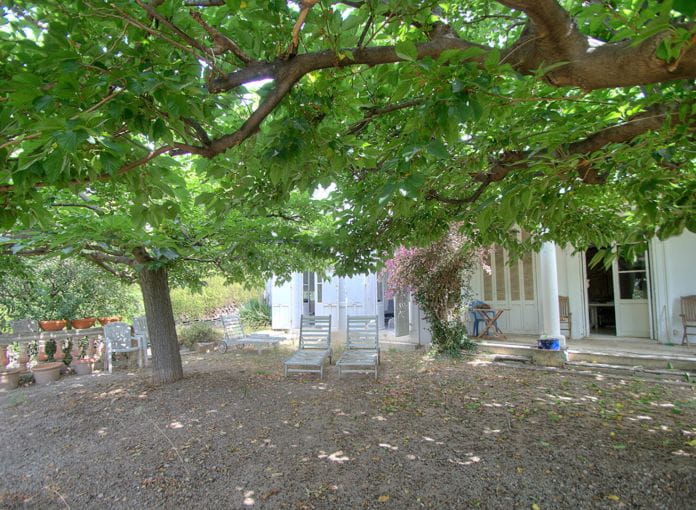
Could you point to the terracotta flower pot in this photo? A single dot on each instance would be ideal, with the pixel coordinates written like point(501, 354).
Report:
point(9, 378)
point(83, 323)
point(83, 366)
point(45, 373)
point(52, 325)
point(105, 320)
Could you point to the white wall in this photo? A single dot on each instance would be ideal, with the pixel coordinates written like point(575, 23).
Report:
point(674, 276)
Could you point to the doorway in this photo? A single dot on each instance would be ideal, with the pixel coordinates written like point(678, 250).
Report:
point(618, 297)
point(600, 296)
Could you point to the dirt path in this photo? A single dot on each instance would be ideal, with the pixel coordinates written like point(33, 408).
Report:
point(429, 434)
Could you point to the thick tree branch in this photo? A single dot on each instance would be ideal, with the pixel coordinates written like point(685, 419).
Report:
point(552, 39)
point(308, 62)
point(650, 120)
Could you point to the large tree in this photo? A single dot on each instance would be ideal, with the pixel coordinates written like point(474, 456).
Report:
point(573, 120)
point(198, 235)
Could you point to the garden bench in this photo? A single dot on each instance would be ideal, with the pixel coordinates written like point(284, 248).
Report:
point(315, 346)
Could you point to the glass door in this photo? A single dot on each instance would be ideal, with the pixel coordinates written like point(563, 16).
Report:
point(632, 299)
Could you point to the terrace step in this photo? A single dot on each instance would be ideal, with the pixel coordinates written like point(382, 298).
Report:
point(398, 346)
point(630, 360)
point(679, 375)
point(646, 361)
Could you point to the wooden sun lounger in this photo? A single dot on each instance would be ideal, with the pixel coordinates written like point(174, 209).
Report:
point(362, 346)
point(235, 335)
point(315, 346)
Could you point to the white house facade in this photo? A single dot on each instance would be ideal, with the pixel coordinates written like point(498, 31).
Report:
point(636, 300)
point(629, 300)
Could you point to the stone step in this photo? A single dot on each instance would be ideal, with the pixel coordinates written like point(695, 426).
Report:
point(678, 375)
point(398, 346)
point(652, 361)
point(625, 359)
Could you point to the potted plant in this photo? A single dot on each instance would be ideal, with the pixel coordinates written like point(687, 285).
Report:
point(58, 306)
point(9, 378)
point(45, 373)
point(83, 366)
point(108, 318)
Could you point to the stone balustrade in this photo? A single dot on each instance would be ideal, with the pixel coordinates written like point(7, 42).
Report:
point(61, 338)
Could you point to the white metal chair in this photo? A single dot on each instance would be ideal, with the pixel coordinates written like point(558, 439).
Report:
point(140, 331)
point(362, 346)
point(235, 335)
point(315, 346)
point(119, 338)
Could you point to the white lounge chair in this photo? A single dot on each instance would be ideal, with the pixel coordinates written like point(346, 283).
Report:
point(118, 338)
point(315, 346)
point(362, 346)
point(235, 335)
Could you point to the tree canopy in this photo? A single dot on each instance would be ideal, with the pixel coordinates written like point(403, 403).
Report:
point(156, 134)
point(573, 120)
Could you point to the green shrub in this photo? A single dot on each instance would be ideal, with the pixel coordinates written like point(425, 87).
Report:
point(255, 314)
point(200, 332)
point(214, 297)
point(56, 288)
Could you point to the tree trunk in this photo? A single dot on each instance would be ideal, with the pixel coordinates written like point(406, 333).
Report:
point(166, 360)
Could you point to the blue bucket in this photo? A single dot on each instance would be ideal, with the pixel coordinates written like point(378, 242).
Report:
point(549, 344)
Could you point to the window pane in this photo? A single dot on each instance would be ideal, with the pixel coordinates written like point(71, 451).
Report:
point(515, 280)
point(499, 274)
point(633, 285)
point(528, 276)
point(487, 281)
point(626, 265)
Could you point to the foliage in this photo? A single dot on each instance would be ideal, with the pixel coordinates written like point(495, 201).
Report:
point(255, 314)
point(198, 332)
point(138, 134)
point(51, 288)
point(50, 349)
point(485, 131)
point(439, 277)
point(206, 301)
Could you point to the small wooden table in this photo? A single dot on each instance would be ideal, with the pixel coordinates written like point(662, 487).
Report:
point(490, 316)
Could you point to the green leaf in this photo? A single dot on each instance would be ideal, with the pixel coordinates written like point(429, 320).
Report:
point(67, 140)
point(687, 7)
point(437, 149)
point(406, 50)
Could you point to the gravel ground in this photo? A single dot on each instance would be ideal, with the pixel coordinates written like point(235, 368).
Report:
point(428, 434)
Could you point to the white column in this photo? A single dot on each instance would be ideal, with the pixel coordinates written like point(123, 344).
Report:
point(549, 293)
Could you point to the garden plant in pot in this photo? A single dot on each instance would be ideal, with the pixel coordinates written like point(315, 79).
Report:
point(59, 305)
point(45, 373)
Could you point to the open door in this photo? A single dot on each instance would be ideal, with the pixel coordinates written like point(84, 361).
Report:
point(618, 297)
point(632, 300)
